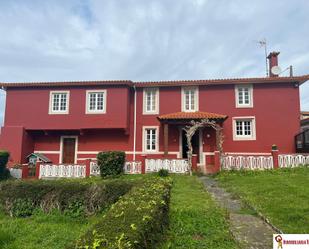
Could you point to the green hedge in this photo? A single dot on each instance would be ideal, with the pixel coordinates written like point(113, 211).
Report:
point(4, 157)
point(111, 163)
point(137, 220)
point(75, 198)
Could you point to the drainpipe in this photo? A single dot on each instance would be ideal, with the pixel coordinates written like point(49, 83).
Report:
point(134, 125)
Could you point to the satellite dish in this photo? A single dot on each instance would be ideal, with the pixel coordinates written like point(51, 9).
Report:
point(276, 70)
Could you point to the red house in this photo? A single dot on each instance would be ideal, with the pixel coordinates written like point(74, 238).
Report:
point(71, 121)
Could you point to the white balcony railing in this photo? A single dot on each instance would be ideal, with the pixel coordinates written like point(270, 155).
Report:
point(293, 160)
point(172, 165)
point(62, 171)
point(237, 162)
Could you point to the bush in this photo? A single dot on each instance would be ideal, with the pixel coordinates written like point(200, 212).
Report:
point(74, 198)
point(163, 172)
point(137, 220)
point(4, 172)
point(111, 163)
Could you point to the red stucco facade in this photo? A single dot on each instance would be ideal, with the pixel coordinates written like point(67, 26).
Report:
point(28, 126)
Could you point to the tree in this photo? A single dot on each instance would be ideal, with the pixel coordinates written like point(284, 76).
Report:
point(191, 129)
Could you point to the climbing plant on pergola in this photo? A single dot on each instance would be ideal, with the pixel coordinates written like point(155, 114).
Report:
point(191, 129)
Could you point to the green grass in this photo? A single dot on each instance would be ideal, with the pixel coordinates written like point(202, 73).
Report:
point(195, 220)
point(48, 231)
point(281, 195)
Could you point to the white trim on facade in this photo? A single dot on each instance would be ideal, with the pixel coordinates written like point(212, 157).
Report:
point(237, 104)
point(253, 128)
point(157, 101)
point(51, 101)
point(47, 151)
point(88, 111)
point(248, 153)
point(61, 147)
point(157, 139)
point(196, 98)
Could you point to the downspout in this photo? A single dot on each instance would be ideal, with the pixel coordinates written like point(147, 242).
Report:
point(134, 125)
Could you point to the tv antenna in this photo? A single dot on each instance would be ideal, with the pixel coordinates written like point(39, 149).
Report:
point(263, 43)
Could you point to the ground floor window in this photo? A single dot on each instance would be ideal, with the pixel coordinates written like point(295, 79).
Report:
point(244, 128)
point(150, 139)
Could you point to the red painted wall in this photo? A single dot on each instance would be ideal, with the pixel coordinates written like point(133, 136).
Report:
point(29, 108)
point(276, 109)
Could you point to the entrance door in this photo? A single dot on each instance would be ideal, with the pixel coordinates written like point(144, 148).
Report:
point(68, 150)
point(195, 144)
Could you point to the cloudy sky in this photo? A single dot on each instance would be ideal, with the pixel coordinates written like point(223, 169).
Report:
point(149, 40)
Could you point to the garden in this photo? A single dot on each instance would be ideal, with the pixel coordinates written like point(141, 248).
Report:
point(112, 211)
point(280, 196)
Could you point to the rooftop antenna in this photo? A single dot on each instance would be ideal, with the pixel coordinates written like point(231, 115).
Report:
point(263, 43)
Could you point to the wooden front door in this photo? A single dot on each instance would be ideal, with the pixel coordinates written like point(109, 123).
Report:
point(68, 150)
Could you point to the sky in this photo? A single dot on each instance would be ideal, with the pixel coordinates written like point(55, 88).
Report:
point(64, 40)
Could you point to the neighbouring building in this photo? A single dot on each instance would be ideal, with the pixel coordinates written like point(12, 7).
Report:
point(71, 121)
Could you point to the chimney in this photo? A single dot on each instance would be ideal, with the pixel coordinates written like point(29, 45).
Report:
point(273, 61)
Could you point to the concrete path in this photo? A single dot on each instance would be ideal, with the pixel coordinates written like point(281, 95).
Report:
point(249, 230)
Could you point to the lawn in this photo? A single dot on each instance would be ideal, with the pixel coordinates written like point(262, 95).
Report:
point(41, 231)
point(280, 195)
point(195, 220)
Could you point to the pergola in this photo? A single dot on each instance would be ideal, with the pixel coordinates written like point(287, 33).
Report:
point(185, 118)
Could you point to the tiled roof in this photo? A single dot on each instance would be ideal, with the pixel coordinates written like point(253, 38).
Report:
point(191, 115)
point(295, 79)
point(67, 83)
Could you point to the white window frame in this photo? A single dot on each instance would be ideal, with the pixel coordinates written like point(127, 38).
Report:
point(88, 111)
point(238, 105)
point(183, 98)
point(61, 148)
point(51, 101)
point(144, 139)
point(156, 111)
point(244, 137)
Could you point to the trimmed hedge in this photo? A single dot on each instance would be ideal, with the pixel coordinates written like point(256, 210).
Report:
point(75, 198)
point(137, 220)
point(4, 157)
point(111, 163)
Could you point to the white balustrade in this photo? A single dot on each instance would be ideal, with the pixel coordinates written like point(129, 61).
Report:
point(229, 162)
point(16, 173)
point(293, 160)
point(62, 171)
point(172, 165)
point(94, 168)
point(133, 167)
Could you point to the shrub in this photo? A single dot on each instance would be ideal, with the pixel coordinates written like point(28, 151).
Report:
point(74, 198)
point(4, 172)
point(111, 163)
point(163, 172)
point(137, 220)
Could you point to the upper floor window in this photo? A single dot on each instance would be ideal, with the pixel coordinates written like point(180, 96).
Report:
point(244, 95)
point(96, 101)
point(59, 102)
point(244, 128)
point(190, 99)
point(150, 139)
point(151, 101)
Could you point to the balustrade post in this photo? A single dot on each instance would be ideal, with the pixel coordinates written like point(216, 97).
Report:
point(217, 165)
point(275, 155)
point(87, 163)
point(194, 162)
point(37, 170)
point(144, 163)
point(25, 171)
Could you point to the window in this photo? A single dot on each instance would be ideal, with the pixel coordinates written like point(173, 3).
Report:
point(59, 102)
point(150, 139)
point(96, 101)
point(190, 99)
point(244, 96)
point(244, 128)
point(151, 101)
